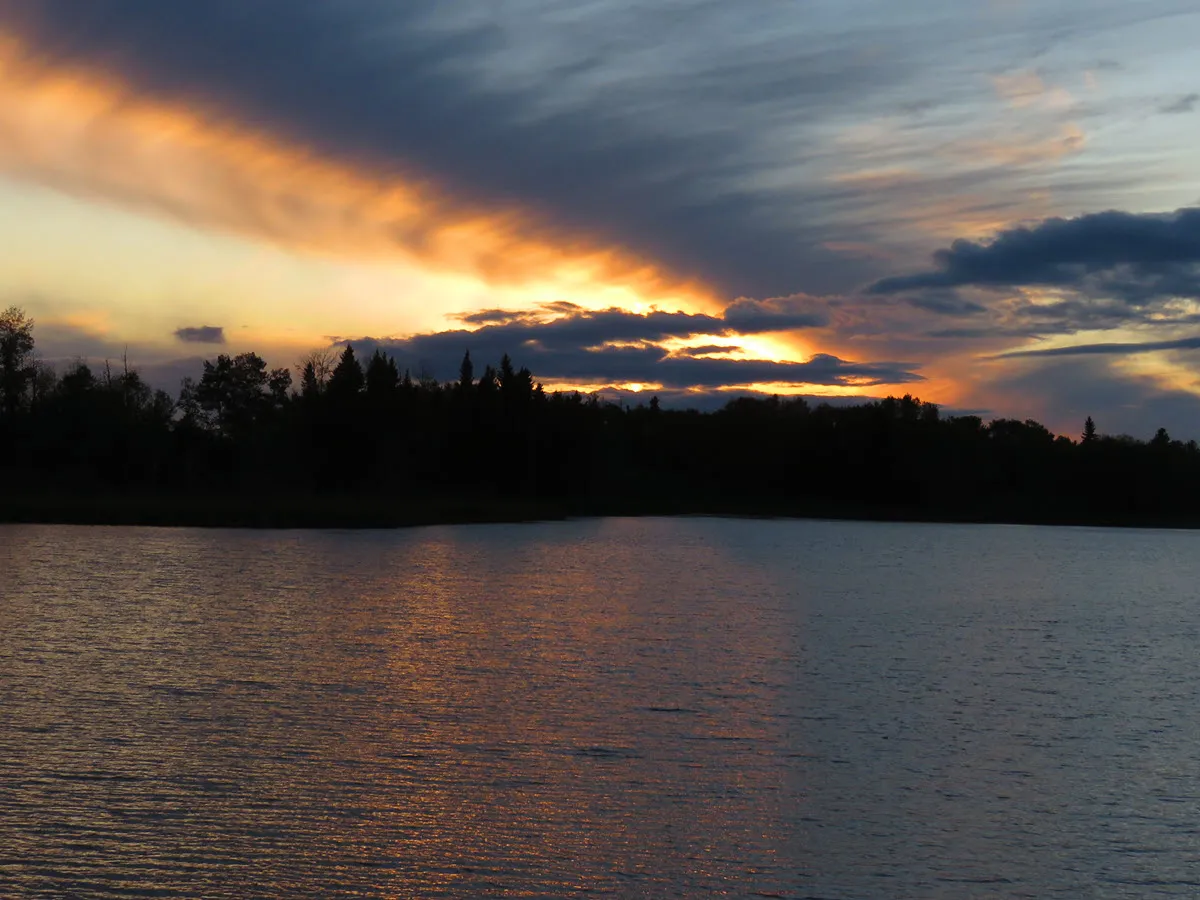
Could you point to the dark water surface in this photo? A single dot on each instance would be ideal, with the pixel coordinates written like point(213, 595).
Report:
point(657, 708)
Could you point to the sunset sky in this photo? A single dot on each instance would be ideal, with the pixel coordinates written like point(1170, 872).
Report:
point(994, 205)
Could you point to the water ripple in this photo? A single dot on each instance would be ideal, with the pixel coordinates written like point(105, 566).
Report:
point(650, 708)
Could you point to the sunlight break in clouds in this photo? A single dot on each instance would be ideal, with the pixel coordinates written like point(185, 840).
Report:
point(91, 136)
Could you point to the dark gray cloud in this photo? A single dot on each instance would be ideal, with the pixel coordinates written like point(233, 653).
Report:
point(1115, 348)
point(946, 303)
point(1102, 271)
point(1132, 257)
point(614, 347)
point(777, 314)
point(699, 133)
point(984, 333)
point(201, 334)
point(1024, 320)
point(588, 328)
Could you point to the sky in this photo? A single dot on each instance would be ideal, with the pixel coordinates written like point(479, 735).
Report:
point(992, 205)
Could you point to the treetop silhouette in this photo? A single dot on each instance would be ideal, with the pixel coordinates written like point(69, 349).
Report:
point(384, 438)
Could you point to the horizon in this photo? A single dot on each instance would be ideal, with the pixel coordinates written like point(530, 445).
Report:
point(637, 396)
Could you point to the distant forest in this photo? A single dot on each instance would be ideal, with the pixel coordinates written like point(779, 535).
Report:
point(358, 442)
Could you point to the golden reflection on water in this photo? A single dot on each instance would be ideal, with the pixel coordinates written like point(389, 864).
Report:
point(421, 714)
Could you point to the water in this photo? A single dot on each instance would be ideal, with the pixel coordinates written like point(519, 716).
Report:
point(631, 708)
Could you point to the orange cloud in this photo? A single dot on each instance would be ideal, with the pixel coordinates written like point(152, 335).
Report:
point(1020, 150)
point(1021, 90)
point(91, 135)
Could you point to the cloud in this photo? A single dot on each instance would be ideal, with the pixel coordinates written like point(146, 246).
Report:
point(166, 375)
point(1184, 104)
point(614, 347)
point(586, 139)
point(202, 334)
point(569, 322)
point(684, 132)
point(1116, 348)
point(946, 303)
point(1142, 251)
point(1020, 89)
point(1100, 271)
point(1015, 150)
point(971, 334)
point(776, 314)
point(1063, 392)
point(90, 135)
point(62, 342)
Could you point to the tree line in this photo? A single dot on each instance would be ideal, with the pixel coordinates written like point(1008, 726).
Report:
point(364, 430)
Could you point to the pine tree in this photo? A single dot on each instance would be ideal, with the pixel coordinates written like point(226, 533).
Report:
point(310, 386)
point(382, 377)
point(466, 373)
point(1089, 431)
point(347, 379)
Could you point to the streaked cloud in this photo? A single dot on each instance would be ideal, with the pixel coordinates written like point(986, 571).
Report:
point(89, 134)
point(1116, 348)
point(1023, 89)
point(1185, 104)
point(688, 134)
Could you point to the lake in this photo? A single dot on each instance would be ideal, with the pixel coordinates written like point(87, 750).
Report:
point(620, 707)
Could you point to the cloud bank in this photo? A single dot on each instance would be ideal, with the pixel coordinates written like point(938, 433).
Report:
point(1134, 258)
point(562, 344)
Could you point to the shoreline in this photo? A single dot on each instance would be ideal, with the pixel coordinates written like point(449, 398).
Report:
point(338, 511)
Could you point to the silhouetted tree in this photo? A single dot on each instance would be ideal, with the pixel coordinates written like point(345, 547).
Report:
point(16, 359)
point(387, 441)
point(191, 413)
point(310, 385)
point(382, 377)
point(232, 391)
point(315, 369)
point(279, 383)
point(44, 382)
point(466, 374)
point(1089, 431)
point(347, 379)
point(506, 376)
point(487, 384)
point(78, 381)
